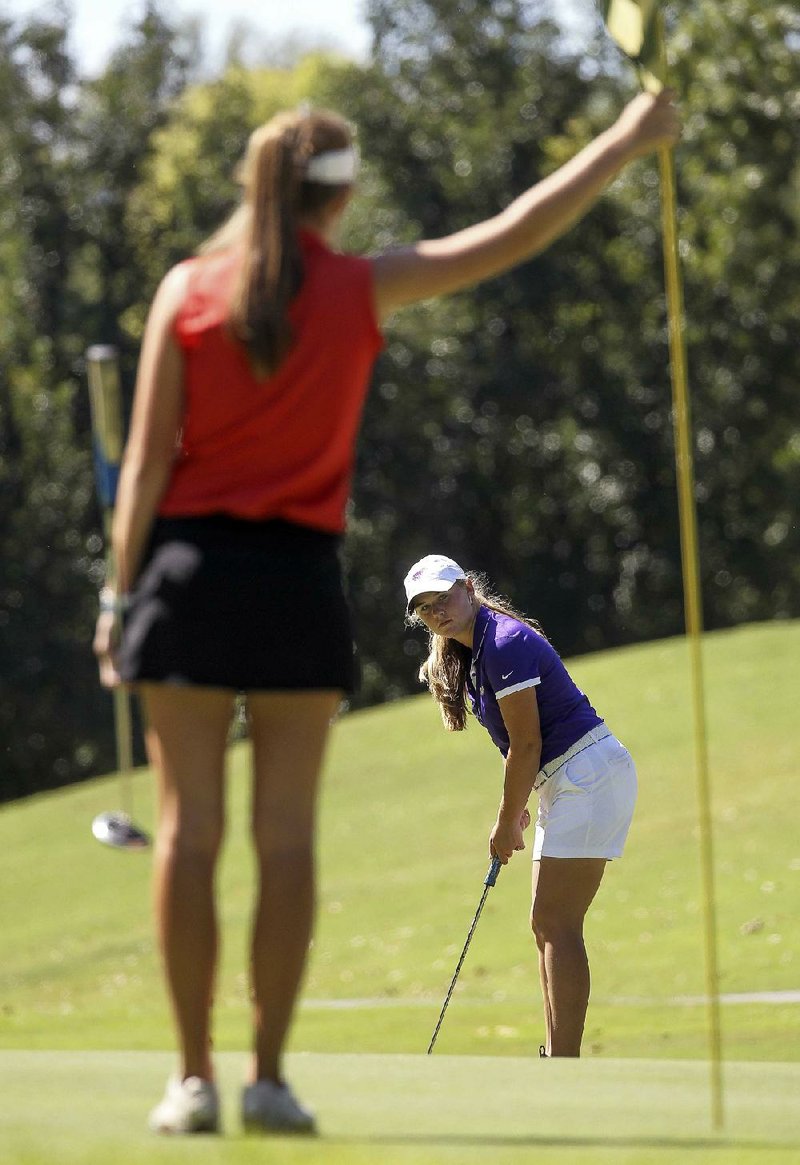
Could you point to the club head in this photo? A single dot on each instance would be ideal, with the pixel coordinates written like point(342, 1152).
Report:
point(117, 830)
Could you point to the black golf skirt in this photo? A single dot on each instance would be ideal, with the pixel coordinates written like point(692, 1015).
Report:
point(230, 603)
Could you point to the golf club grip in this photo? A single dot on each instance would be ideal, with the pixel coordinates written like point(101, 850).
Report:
point(105, 398)
point(494, 870)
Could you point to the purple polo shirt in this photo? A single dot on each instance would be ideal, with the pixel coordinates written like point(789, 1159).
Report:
point(507, 656)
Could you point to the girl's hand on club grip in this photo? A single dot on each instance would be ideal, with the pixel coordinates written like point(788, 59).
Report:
point(106, 638)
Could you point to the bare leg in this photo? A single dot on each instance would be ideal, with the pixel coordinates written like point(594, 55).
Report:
point(563, 890)
point(548, 1019)
point(289, 731)
point(186, 733)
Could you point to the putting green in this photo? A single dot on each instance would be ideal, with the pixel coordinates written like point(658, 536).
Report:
point(88, 1108)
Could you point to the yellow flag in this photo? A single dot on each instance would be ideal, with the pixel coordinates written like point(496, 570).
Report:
point(632, 24)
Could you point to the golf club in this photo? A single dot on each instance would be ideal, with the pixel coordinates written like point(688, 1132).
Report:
point(102, 364)
point(488, 881)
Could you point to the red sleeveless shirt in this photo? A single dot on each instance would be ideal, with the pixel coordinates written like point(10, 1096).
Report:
point(283, 447)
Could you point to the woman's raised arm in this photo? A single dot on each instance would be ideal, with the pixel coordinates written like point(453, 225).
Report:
point(533, 221)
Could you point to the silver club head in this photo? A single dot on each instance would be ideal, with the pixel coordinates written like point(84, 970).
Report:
point(117, 830)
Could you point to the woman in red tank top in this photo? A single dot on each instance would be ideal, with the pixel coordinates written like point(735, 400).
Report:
point(253, 370)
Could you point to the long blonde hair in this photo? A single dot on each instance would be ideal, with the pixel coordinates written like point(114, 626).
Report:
point(447, 666)
point(275, 196)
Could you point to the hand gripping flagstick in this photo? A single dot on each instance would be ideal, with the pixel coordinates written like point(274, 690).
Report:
point(488, 882)
point(102, 364)
point(638, 28)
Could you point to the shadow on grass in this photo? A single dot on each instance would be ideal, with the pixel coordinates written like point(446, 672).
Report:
point(454, 1140)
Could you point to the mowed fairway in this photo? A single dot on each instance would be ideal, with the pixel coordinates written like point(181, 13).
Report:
point(85, 1036)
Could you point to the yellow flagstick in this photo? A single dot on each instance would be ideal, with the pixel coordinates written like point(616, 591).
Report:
point(690, 560)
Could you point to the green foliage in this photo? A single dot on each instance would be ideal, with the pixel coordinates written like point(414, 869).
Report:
point(71, 153)
point(46, 698)
point(740, 177)
point(540, 444)
point(521, 438)
point(48, 692)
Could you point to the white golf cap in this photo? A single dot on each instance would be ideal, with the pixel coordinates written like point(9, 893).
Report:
point(434, 572)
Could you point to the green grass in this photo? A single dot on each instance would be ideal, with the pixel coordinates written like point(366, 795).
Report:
point(399, 1109)
point(405, 815)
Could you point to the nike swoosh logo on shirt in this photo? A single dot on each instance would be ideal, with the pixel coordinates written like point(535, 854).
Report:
point(509, 673)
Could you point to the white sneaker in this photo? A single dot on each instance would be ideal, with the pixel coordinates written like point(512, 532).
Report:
point(189, 1106)
point(272, 1108)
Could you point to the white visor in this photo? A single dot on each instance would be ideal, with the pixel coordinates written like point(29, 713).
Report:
point(333, 168)
point(434, 572)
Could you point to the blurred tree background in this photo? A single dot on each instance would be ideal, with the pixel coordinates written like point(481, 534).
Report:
point(523, 427)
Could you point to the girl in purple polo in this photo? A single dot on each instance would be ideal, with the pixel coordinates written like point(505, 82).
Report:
point(486, 656)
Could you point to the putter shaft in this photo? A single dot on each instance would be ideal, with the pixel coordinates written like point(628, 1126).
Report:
point(108, 434)
point(488, 882)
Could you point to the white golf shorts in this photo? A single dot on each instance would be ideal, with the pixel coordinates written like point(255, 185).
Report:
point(586, 806)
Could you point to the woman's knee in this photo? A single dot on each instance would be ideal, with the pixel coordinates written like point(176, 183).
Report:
point(282, 829)
point(280, 851)
point(190, 835)
point(551, 927)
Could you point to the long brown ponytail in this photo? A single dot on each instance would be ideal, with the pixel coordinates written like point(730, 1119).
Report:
point(447, 666)
point(275, 197)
